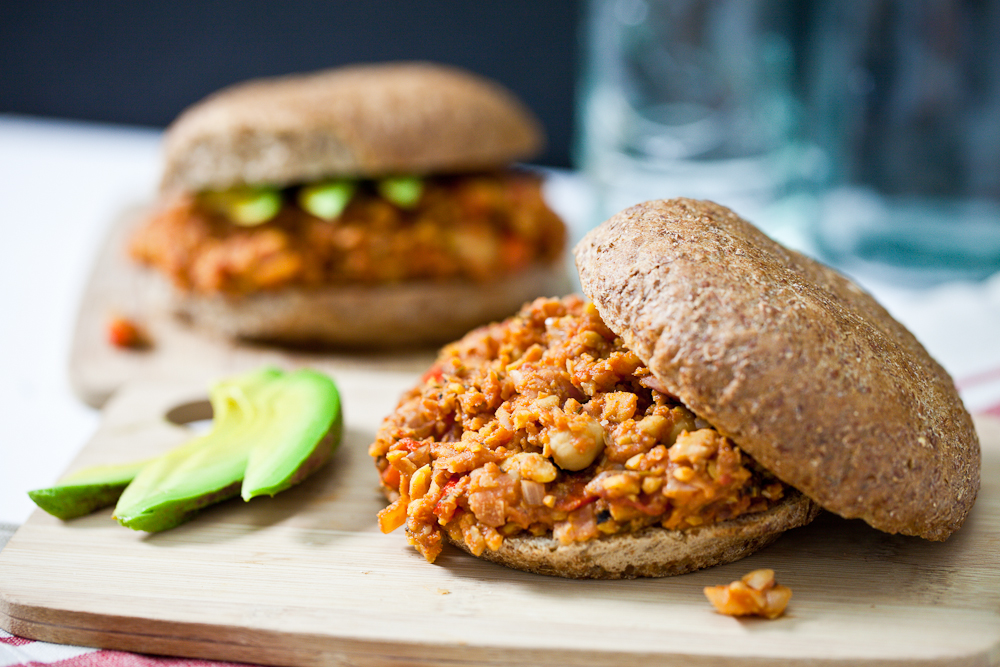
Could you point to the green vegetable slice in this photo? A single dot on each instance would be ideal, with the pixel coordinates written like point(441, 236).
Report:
point(326, 200)
point(403, 191)
point(245, 206)
point(270, 430)
point(86, 490)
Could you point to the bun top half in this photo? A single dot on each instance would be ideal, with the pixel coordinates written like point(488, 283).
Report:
point(802, 369)
point(357, 121)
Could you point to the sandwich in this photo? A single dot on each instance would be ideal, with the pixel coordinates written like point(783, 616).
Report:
point(371, 205)
point(712, 390)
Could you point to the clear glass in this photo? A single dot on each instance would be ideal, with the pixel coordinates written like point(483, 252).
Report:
point(694, 98)
point(905, 97)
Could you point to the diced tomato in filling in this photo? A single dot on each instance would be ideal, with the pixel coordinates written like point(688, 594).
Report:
point(390, 477)
point(545, 424)
point(434, 373)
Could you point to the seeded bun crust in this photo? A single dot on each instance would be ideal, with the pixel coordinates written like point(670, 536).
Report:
point(360, 121)
point(802, 369)
point(408, 313)
point(654, 552)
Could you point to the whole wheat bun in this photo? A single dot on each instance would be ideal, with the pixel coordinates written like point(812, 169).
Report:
point(654, 551)
point(359, 121)
point(409, 313)
point(803, 370)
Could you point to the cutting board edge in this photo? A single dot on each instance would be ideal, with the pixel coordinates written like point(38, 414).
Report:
point(314, 651)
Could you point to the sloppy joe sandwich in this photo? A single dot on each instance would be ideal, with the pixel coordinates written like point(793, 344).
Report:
point(367, 205)
point(713, 390)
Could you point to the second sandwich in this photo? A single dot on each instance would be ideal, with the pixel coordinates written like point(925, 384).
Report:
point(369, 205)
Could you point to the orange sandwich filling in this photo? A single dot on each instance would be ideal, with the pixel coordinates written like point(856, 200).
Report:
point(474, 227)
point(545, 424)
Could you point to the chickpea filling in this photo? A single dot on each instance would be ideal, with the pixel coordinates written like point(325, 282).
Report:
point(477, 227)
point(545, 424)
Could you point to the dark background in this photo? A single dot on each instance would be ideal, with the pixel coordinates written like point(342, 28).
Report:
point(141, 63)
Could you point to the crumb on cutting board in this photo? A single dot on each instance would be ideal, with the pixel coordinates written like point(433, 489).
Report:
point(756, 594)
point(125, 333)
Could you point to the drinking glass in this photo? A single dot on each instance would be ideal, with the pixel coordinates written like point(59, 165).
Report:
point(695, 98)
point(905, 101)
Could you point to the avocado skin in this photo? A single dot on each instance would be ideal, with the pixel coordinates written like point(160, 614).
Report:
point(165, 515)
point(70, 501)
point(86, 490)
point(270, 430)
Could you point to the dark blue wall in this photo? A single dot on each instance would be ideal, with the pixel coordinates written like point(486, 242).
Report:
point(142, 62)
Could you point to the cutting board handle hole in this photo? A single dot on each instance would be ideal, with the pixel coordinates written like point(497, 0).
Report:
point(196, 415)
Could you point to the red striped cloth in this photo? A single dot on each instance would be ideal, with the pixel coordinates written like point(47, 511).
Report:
point(18, 652)
point(986, 380)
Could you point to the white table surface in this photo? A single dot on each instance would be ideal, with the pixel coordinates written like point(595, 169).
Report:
point(61, 185)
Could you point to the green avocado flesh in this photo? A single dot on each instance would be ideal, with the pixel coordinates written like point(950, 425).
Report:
point(248, 206)
point(403, 191)
point(326, 200)
point(245, 206)
point(270, 430)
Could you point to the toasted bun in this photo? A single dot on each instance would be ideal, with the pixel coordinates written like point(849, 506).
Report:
point(793, 362)
point(408, 313)
point(371, 120)
point(654, 552)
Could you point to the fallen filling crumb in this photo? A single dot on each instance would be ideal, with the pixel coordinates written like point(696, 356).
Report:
point(545, 424)
point(476, 227)
point(755, 594)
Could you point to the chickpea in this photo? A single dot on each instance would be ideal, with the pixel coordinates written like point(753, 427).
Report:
point(577, 448)
point(529, 465)
point(420, 482)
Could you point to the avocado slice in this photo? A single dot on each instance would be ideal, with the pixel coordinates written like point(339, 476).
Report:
point(245, 206)
point(86, 490)
point(173, 487)
point(303, 408)
point(403, 191)
point(326, 200)
point(270, 430)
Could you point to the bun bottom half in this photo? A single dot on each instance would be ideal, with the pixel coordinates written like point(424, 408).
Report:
point(653, 552)
point(378, 316)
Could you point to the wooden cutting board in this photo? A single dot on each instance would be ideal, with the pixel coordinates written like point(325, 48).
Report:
point(306, 578)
